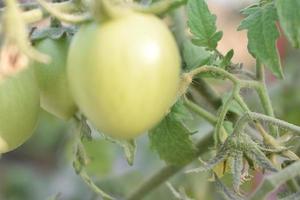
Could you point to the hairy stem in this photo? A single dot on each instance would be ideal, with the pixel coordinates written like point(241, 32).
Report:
point(65, 17)
point(264, 96)
point(273, 181)
point(37, 14)
point(200, 111)
point(240, 125)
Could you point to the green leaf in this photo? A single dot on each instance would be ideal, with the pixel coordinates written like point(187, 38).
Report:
point(180, 112)
point(171, 140)
point(100, 155)
point(262, 35)
point(128, 146)
point(194, 56)
point(289, 17)
point(226, 61)
point(203, 24)
point(52, 32)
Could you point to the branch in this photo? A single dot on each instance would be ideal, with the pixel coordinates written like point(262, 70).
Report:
point(247, 117)
point(65, 17)
point(264, 96)
point(200, 111)
point(37, 13)
point(168, 171)
point(273, 181)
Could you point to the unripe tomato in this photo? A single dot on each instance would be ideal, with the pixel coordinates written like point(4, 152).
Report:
point(19, 108)
point(124, 74)
point(52, 78)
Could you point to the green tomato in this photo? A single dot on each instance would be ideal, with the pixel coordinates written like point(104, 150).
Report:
point(55, 94)
point(19, 108)
point(124, 74)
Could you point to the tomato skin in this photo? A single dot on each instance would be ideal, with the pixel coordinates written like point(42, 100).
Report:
point(125, 74)
point(55, 94)
point(19, 109)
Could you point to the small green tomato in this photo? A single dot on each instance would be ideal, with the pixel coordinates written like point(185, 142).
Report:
point(124, 74)
point(52, 78)
point(19, 108)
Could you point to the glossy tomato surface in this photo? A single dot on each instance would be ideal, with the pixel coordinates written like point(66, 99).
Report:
point(124, 74)
point(19, 109)
point(52, 78)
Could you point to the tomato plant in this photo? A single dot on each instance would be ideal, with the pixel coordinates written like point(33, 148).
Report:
point(52, 78)
point(120, 70)
point(19, 108)
point(128, 67)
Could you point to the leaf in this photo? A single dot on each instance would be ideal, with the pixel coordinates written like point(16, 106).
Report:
point(171, 140)
point(202, 24)
point(194, 56)
point(262, 35)
point(100, 155)
point(84, 129)
point(260, 159)
point(129, 147)
point(52, 32)
point(226, 61)
point(181, 112)
point(289, 17)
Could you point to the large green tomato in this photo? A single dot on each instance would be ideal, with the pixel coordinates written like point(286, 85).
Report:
point(124, 74)
point(52, 78)
point(19, 109)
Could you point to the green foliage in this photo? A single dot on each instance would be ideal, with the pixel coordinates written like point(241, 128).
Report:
point(194, 56)
point(262, 35)
point(289, 15)
point(100, 157)
point(203, 24)
point(171, 139)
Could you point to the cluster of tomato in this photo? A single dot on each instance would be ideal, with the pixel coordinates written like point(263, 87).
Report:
point(123, 75)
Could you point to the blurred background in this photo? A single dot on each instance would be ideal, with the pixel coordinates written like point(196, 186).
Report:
point(42, 167)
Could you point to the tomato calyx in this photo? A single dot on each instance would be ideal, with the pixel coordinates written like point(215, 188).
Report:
point(54, 33)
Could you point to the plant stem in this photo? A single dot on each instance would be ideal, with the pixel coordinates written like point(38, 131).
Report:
point(160, 7)
point(221, 117)
point(207, 92)
point(213, 120)
point(200, 111)
point(65, 17)
point(217, 70)
point(273, 181)
point(264, 96)
point(271, 120)
point(37, 14)
point(168, 171)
